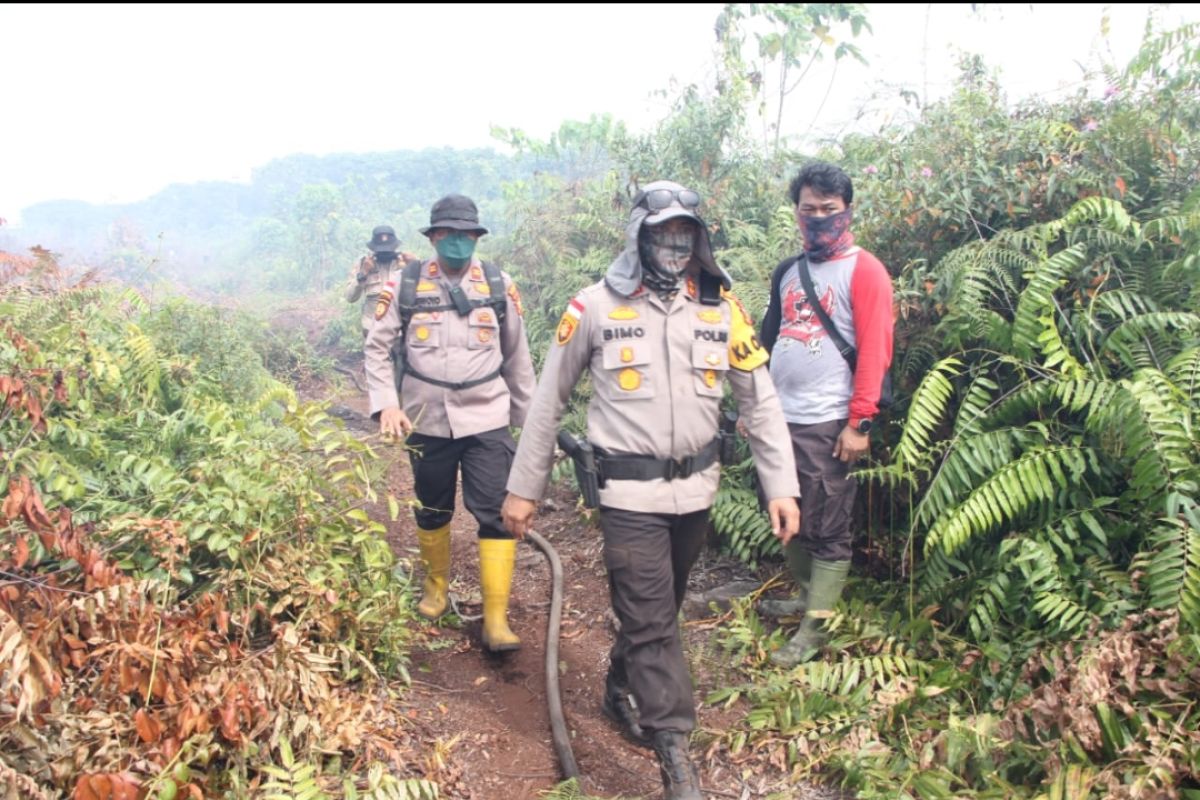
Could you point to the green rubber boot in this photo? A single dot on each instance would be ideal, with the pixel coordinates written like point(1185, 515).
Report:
point(799, 561)
point(828, 579)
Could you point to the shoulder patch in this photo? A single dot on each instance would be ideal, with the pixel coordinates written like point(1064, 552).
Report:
point(515, 296)
point(746, 353)
point(569, 322)
point(433, 269)
point(385, 299)
point(622, 312)
point(476, 273)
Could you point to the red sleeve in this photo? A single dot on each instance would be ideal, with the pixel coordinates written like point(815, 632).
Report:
point(871, 305)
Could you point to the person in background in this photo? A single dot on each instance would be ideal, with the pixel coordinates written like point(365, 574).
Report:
point(371, 273)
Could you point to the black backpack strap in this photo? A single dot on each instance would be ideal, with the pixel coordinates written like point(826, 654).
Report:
point(497, 298)
point(710, 289)
point(406, 295)
point(407, 298)
point(491, 376)
point(814, 302)
point(777, 277)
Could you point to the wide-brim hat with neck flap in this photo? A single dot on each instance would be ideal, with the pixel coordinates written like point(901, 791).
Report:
point(457, 212)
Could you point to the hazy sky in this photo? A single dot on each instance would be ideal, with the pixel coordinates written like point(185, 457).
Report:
point(112, 103)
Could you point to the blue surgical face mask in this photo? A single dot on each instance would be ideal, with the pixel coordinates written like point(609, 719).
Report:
point(456, 250)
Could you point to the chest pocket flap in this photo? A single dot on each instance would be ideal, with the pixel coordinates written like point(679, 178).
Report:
point(710, 362)
point(618, 355)
point(484, 329)
point(710, 356)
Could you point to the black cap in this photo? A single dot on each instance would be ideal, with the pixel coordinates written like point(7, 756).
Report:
point(383, 239)
point(454, 211)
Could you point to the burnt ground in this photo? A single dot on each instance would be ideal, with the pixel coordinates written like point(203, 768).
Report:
point(484, 718)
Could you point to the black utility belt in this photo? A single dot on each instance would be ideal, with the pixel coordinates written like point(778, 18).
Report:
point(647, 468)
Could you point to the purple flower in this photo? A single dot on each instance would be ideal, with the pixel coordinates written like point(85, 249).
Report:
point(870, 169)
point(926, 172)
point(1091, 125)
point(1110, 92)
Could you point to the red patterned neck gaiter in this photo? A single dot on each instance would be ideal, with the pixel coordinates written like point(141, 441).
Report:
point(826, 238)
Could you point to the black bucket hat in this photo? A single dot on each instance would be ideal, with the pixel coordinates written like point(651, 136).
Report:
point(454, 211)
point(383, 239)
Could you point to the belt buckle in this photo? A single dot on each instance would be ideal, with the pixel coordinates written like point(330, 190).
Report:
point(679, 467)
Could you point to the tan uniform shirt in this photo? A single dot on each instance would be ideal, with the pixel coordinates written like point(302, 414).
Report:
point(448, 347)
point(658, 375)
point(377, 276)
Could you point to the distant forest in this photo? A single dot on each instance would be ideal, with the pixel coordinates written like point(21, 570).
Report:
point(300, 220)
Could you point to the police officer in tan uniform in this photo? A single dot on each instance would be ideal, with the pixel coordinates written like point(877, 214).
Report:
point(467, 377)
point(372, 271)
point(661, 337)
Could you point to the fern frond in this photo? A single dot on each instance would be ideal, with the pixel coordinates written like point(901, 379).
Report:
point(1146, 423)
point(275, 393)
point(1017, 489)
point(1109, 213)
point(974, 405)
point(146, 377)
point(1037, 300)
point(1184, 372)
point(1172, 566)
point(926, 413)
point(969, 462)
point(1154, 329)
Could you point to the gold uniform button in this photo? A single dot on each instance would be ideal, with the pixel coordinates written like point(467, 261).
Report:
point(422, 333)
point(710, 378)
point(629, 379)
point(485, 336)
point(626, 355)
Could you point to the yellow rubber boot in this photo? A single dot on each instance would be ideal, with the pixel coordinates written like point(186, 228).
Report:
point(496, 557)
point(435, 552)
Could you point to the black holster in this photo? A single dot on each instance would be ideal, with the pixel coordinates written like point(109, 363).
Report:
point(728, 434)
point(586, 473)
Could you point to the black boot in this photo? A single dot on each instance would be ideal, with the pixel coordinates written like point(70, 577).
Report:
point(681, 780)
point(619, 706)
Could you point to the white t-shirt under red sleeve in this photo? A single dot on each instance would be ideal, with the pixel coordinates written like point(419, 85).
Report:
point(812, 378)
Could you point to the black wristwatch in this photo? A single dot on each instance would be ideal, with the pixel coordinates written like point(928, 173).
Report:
point(864, 425)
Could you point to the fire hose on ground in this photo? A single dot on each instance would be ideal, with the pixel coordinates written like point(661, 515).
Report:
point(558, 723)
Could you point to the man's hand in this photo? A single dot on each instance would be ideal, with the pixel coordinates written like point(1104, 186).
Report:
point(785, 518)
point(517, 513)
point(851, 445)
point(394, 422)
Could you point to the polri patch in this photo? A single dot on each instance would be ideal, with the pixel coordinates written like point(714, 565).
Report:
point(385, 299)
point(569, 322)
point(515, 296)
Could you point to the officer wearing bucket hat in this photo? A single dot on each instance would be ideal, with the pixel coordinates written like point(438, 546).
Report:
point(371, 272)
point(661, 336)
point(466, 377)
